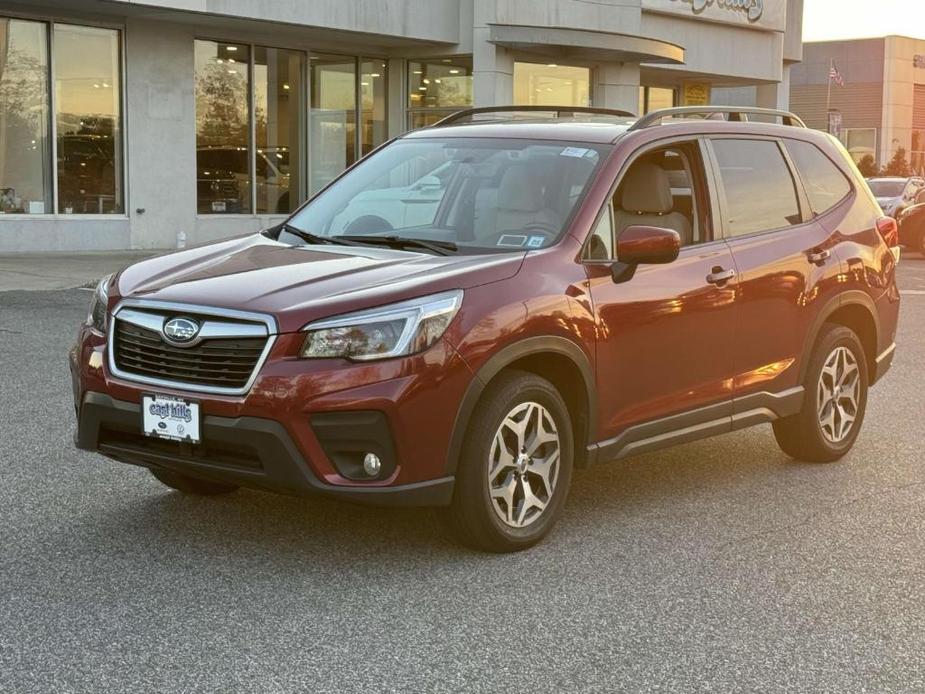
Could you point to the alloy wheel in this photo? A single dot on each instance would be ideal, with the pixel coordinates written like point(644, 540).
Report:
point(839, 395)
point(523, 466)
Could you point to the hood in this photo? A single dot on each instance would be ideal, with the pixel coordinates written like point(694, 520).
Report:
point(300, 284)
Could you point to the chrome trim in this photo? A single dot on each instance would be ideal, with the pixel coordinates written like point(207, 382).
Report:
point(270, 333)
point(887, 353)
point(209, 330)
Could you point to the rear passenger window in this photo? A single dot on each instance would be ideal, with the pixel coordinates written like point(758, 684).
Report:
point(760, 192)
point(825, 184)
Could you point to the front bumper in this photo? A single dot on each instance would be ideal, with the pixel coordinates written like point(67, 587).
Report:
point(302, 427)
point(247, 451)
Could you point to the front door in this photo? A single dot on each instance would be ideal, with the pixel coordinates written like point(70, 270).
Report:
point(664, 337)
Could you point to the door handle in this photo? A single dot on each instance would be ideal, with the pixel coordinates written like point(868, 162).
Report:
point(819, 257)
point(719, 276)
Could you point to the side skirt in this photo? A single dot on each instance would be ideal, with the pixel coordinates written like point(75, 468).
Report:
point(702, 423)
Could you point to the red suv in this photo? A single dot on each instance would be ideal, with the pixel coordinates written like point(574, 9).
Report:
point(478, 308)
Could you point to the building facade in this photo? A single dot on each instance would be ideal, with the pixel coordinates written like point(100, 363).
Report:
point(135, 123)
point(877, 100)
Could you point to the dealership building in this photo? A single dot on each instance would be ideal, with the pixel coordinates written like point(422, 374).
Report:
point(134, 123)
point(877, 102)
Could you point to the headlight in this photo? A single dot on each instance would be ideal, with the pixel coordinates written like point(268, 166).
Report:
point(390, 331)
point(96, 316)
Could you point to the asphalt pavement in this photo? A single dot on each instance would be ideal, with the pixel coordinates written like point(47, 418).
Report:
point(716, 566)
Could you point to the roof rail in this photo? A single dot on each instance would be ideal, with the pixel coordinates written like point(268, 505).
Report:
point(732, 113)
point(558, 111)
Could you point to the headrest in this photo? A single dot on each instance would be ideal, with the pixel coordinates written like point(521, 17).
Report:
point(520, 190)
point(646, 189)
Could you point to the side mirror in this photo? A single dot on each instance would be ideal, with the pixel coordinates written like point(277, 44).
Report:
point(645, 245)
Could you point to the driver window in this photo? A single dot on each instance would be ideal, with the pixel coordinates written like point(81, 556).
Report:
point(662, 188)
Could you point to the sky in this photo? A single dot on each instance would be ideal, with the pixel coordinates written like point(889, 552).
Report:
point(825, 20)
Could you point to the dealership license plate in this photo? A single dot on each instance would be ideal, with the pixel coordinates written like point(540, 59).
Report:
point(167, 417)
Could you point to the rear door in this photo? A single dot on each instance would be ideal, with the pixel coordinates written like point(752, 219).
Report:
point(786, 263)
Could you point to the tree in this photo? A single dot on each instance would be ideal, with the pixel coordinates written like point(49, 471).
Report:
point(867, 166)
point(898, 165)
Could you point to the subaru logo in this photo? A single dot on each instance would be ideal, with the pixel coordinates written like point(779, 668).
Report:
point(180, 329)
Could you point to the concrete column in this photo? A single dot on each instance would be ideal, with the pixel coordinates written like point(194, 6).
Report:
point(492, 71)
point(775, 95)
point(616, 85)
point(161, 127)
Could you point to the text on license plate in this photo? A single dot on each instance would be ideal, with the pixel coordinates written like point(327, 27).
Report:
point(168, 417)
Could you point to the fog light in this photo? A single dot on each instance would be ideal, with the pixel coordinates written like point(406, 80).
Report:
point(372, 465)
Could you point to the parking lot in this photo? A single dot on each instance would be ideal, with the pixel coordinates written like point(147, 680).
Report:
point(716, 566)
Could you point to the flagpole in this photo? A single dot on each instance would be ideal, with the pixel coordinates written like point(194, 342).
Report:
point(828, 95)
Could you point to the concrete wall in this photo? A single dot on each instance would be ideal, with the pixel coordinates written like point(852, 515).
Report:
point(899, 79)
point(425, 20)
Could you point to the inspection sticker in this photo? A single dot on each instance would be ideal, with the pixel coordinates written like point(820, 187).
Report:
point(574, 152)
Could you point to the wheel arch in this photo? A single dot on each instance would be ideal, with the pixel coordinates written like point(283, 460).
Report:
point(557, 359)
point(857, 311)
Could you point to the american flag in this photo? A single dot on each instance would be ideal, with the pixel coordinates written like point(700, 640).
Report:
point(835, 75)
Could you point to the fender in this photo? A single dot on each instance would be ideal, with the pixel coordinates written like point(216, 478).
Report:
point(853, 297)
point(505, 357)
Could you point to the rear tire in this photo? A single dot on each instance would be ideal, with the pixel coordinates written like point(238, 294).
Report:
point(834, 402)
point(192, 485)
point(516, 466)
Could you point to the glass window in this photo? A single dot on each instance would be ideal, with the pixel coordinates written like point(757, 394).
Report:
point(438, 88)
point(600, 246)
point(25, 152)
point(88, 119)
point(374, 102)
point(656, 98)
point(333, 117)
point(825, 184)
point(222, 127)
point(473, 193)
point(860, 142)
point(551, 85)
point(278, 113)
point(760, 192)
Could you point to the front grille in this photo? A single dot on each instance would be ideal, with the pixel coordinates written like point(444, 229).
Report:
point(222, 363)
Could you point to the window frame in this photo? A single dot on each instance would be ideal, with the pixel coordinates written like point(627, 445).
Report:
point(852, 190)
point(49, 21)
point(709, 202)
point(443, 111)
point(304, 132)
point(805, 209)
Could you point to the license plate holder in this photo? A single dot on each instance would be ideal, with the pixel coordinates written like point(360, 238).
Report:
point(170, 417)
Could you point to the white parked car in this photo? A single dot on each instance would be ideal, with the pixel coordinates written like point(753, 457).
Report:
point(894, 193)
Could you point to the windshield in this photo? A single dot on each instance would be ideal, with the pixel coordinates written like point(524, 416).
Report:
point(887, 189)
point(467, 194)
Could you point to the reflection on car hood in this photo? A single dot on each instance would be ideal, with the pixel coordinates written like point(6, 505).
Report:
point(301, 284)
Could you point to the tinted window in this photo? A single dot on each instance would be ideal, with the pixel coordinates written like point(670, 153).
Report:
point(825, 185)
point(760, 193)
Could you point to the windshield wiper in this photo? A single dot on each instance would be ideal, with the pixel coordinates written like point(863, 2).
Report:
point(309, 237)
point(438, 247)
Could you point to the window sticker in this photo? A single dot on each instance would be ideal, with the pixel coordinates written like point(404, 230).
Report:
point(578, 152)
point(512, 241)
point(535, 242)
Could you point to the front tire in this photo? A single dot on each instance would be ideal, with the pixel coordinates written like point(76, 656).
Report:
point(834, 403)
point(191, 485)
point(516, 466)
